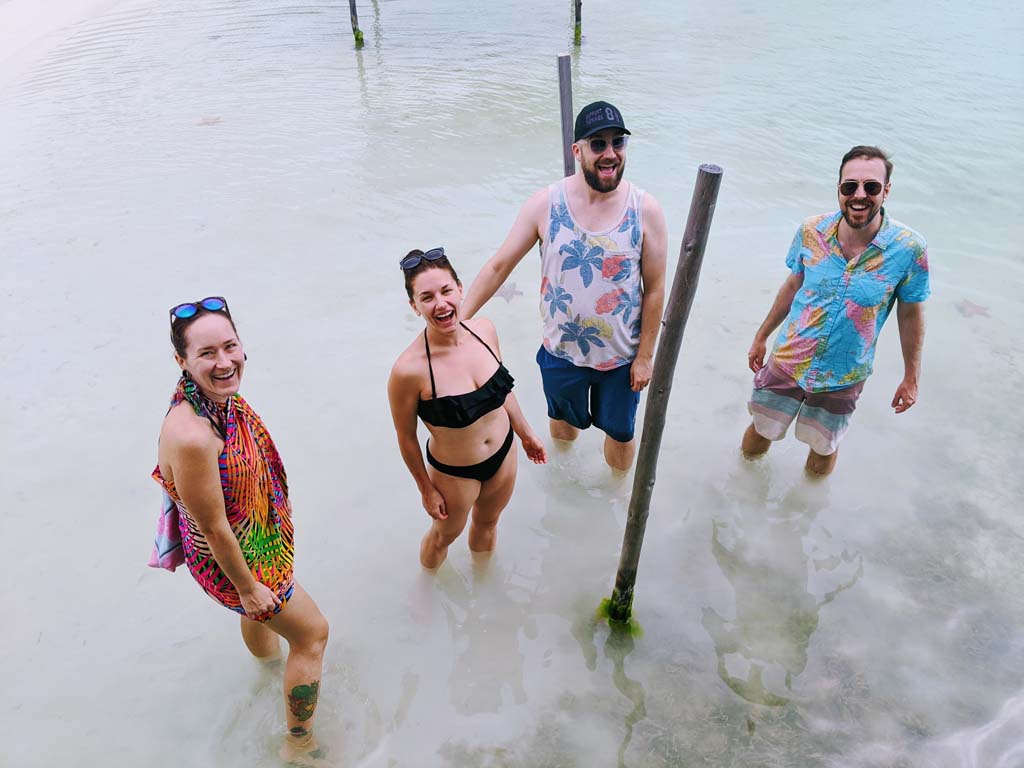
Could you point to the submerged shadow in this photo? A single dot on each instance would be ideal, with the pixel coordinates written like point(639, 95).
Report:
point(486, 613)
point(781, 575)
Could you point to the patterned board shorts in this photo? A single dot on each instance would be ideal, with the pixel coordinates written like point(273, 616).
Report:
point(821, 417)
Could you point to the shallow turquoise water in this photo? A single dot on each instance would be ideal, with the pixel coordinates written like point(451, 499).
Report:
point(162, 152)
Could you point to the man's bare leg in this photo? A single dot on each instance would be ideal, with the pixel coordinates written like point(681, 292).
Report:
point(564, 431)
point(754, 444)
point(819, 465)
point(619, 456)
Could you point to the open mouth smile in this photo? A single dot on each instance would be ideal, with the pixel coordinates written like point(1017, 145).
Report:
point(444, 317)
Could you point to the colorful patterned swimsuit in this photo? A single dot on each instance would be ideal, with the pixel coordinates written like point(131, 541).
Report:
point(255, 500)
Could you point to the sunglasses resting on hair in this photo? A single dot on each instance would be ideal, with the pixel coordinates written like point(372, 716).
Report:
point(189, 308)
point(872, 188)
point(411, 262)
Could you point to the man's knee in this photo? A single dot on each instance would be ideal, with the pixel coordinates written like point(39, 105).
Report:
point(563, 430)
point(484, 524)
point(440, 538)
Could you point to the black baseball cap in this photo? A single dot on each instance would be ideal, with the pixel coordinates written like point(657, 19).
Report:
point(596, 117)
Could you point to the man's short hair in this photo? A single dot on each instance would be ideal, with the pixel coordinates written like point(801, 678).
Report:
point(867, 153)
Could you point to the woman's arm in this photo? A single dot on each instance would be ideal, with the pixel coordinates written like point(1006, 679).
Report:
point(403, 394)
point(194, 463)
point(532, 444)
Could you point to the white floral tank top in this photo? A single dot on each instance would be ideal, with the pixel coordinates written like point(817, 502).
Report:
point(590, 285)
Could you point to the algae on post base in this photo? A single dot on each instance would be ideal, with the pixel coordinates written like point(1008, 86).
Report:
point(606, 611)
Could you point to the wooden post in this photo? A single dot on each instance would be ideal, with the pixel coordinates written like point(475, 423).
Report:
point(684, 286)
point(565, 99)
point(577, 36)
point(356, 32)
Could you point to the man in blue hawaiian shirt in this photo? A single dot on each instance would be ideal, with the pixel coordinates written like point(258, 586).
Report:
point(603, 252)
point(847, 270)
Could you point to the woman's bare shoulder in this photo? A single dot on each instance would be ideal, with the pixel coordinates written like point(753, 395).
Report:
point(410, 361)
point(482, 326)
point(184, 431)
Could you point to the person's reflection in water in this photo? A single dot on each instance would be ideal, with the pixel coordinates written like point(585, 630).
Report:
point(782, 575)
point(485, 617)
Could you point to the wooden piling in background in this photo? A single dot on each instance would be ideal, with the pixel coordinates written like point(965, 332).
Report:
point(565, 101)
point(684, 287)
point(356, 32)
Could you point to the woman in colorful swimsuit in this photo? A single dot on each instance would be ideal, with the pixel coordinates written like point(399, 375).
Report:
point(452, 378)
point(226, 499)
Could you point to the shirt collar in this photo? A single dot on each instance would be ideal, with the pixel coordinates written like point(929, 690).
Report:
point(829, 226)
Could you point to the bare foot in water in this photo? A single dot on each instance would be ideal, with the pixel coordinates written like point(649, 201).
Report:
point(302, 750)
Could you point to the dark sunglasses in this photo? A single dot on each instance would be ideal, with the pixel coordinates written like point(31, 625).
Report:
point(871, 188)
point(597, 146)
point(190, 308)
point(411, 262)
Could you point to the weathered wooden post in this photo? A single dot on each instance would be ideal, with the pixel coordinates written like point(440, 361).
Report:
point(577, 36)
point(356, 32)
point(684, 286)
point(565, 99)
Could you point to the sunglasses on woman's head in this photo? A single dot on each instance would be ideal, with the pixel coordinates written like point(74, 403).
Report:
point(597, 146)
point(411, 262)
point(871, 188)
point(190, 308)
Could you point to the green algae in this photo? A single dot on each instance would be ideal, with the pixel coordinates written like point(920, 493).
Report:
point(630, 625)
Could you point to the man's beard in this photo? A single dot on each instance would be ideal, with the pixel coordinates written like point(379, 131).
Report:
point(598, 184)
point(873, 213)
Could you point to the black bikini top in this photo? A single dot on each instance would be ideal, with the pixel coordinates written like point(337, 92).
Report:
point(462, 410)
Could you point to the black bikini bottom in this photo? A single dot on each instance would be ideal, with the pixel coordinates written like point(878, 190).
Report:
point(483, 471)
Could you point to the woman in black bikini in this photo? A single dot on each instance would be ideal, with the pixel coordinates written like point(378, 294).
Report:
point(453, 379)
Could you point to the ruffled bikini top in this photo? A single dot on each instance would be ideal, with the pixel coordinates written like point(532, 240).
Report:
point(458, 411)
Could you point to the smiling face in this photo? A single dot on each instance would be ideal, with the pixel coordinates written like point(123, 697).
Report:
point(436, 295)
point(602, 170)
point(213, 356)
point(859, 209)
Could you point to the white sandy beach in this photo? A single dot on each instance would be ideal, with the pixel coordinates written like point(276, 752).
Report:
point(30, 28)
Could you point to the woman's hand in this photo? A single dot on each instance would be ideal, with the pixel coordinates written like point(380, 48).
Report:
point(433, 502)
point(258, 600)
point(535, 450)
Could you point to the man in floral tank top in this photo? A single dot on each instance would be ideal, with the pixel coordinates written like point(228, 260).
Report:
point(847, 270)
point(603, 253)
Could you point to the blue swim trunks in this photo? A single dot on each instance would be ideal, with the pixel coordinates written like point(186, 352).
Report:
point(584, 396)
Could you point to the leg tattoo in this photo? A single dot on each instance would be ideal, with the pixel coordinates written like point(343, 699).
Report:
point(302, 700)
